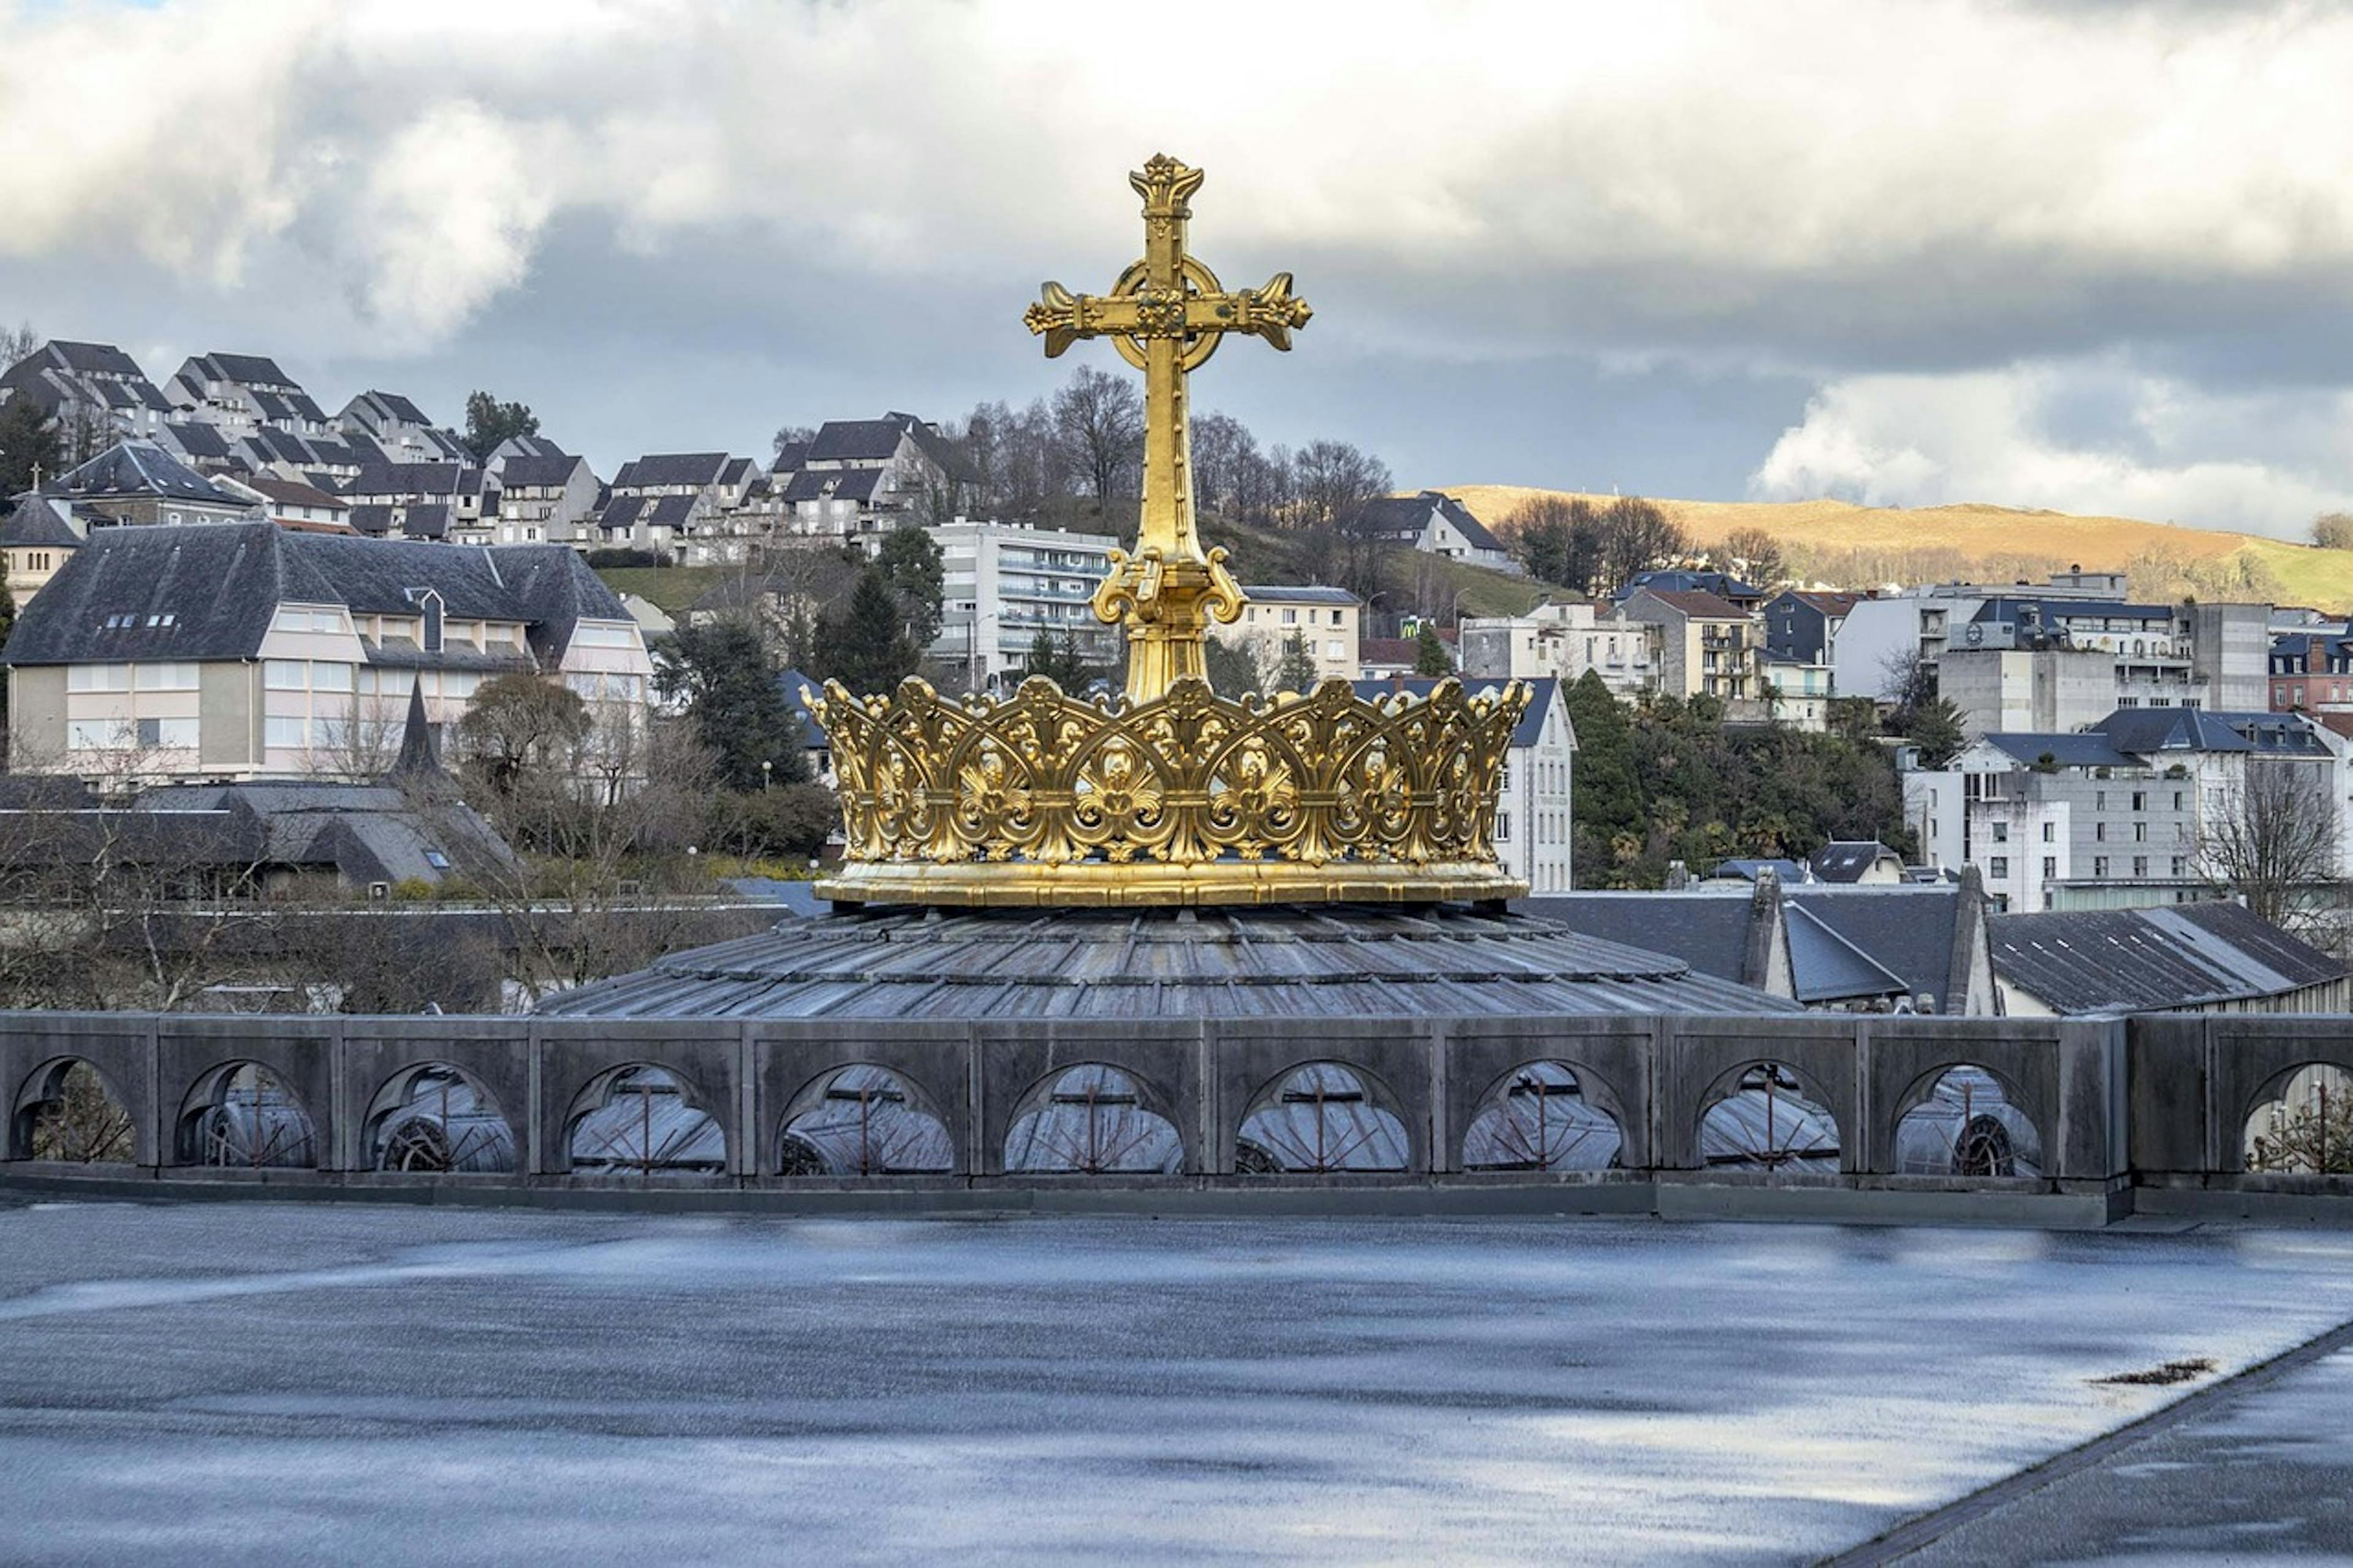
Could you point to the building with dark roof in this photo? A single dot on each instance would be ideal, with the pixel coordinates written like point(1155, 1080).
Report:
point(94, 394)
point(859, 478)
point(1328, 623)
point(2205, 957)
point(239, 652)
point(245, 393)
point(546, 499)
point(1856, 862)
point(2114, 815)
point(1709, 647)
point(138, 483)
point(1432, 522)
point(36, 538)
point(1724, 585)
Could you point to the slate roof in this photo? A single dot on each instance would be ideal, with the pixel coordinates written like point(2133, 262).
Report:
point(220, 585)
point(2010, 607)
point(1828, 603)
point(1708, 930)
point(533, 473)
point(858, 440)
point(1846, 860)
point(400, 407)
point(1387, 651)
point(246, 369)
point(789, 457)
point(794, 683)
point(1908, 930)
point(1293, 593)
point(737, 471)
point(138, 468)
point(2177, 956)
point(1541, 689)
point(1824, 966)
point(696, 468)
point(834, 484)
point(2084, 750)
point(1275, 962)
point(1666, 579)
point(103, 358)
point(34, 523)
point(288, 492)
point(435, 479)
point(1696, 603)
point(365, 833)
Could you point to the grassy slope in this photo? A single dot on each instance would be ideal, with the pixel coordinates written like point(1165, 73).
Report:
point(672, 588)
point(2303, 574)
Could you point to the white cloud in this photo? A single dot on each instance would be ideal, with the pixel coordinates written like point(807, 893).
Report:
point(2155, 447)
point(1676, 163)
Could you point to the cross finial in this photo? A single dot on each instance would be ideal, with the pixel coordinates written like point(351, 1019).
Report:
point(1166, 315)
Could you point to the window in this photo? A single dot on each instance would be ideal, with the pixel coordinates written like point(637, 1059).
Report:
point(1335, 617)
point(2140, 832)
point(2176, 800)
point(1998, 866)
point(172, 732)
point(331, 678)
point(280, 730)
point(2141, 800)
point(2100, 832)
point(2001, 831)
point(98, 677)
point(1290, 618)
point(439, 861)
point(2050, 833)
point(2099, 800)
point(2140, 865)
point(1503, 826)
point(286, 675)
point(2099, 865)
point(2180, 866)
point(2050, 867)
point(97, 735)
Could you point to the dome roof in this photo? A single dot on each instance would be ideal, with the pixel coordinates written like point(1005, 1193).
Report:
point(1345, 961)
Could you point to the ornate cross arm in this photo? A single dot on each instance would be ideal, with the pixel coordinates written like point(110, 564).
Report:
point(1135, 311)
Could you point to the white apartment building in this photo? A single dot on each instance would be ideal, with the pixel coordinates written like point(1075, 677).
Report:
point(1327, 621)
point(1565, 641)
point(1003, 583)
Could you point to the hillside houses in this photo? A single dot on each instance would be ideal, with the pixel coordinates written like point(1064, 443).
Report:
point(1432, 522)
point(857, 479)
point(400, 430)
point(94, 392)
point(243, 394)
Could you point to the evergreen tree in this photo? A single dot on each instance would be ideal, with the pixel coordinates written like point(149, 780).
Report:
point(27, 443)
point(872, 650)
point(1058, 659)
point(1608, 801)
point(1232, 670)
point(910, 562)
point(1429, 655)
point(737, 703)
point(1296, 669)
point(489, 424)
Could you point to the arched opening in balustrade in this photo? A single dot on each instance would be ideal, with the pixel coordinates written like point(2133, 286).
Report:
point(1766, 1118)
point(243, 1114)
point(434, 1118)
point(2301, 1123)
point(1320, 1119)
point(68, 1111)
point(640, 1119)
point(863, 1121)
point(1539, 1118)
point(1092, 1120)
point(1968, 1122)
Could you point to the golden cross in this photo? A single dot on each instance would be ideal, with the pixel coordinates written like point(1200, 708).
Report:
point(1166, 315)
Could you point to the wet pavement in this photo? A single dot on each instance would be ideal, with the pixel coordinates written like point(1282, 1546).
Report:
point(288, 1383)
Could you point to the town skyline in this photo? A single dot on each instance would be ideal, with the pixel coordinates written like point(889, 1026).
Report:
point(1707, 254)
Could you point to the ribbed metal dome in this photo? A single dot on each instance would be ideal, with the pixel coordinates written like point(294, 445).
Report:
point(1338, 961)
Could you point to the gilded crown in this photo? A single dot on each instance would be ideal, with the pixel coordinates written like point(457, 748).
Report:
point(1191, 797)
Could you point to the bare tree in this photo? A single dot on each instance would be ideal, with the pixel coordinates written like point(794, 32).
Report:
point(1332, 480)
point(2333, 530)
point(17, 343)
point(1101, 417)
point(2271, 838)
point(1636, 536)
point(1556, 538)
point(1753, 553)
point(1223, 445)
point(361, 746)
point(792, 435)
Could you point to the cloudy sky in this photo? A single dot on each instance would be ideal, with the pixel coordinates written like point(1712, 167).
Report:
point(2089, 257)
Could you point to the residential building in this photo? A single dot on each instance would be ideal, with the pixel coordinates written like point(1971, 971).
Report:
point(94, 393)
point(1002, 583)
point(1432, 522)
point(201, 447)
point(292, 504)
point(681, 504)
point(1709, 647)
point(449, 502)
point(1688, 580)
point(1325, 620)
point(858, 478)
point(1533, 806)
point(254, 651)
point(245, 393)
point(2111, 818)
point(400, 430)
point(1802, 627)
point(1865, 862)
point(1565, 640)
point(137, 483)
point(36, 540)
point(2311, 672)
point(2052, 687)
point(520, 447)
point(2214, 956)
point(546, 500)
point(326, 461)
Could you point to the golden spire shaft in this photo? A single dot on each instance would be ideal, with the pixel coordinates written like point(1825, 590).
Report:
point(1166, 315)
